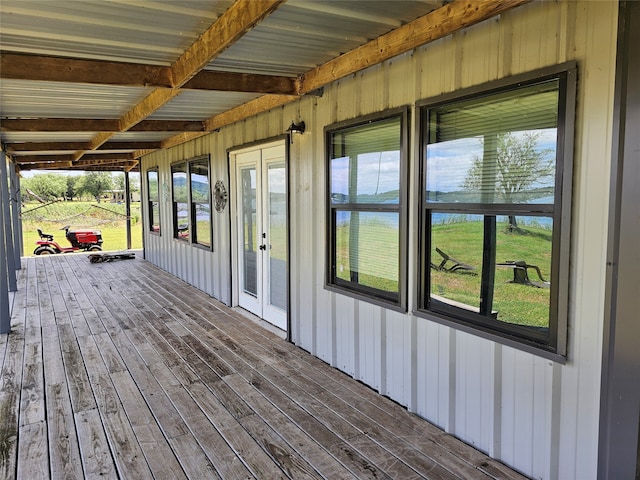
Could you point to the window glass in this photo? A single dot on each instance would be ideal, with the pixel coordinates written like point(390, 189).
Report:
point(180, 201)
point(367, 246)
point(498, 149)
point(365, 166)
point(365, 178)
point(200, 201)
point(153, 188)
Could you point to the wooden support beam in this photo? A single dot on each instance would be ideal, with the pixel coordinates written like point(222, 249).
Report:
point(108, 156)
point(59, 69)
point(85, 162)
point(60, 165)
point(94, 125)
point(31, 159)
point(254, 107)
point(146, 107)
point(52, 146)
point(168, 126)
point(237, 20)
point(435, 25)
point(58, 125)
point(130, 146)
point(242, 82)
point(181, 138)
point(45, 146)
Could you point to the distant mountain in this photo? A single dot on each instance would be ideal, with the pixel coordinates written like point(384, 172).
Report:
point(468, 196)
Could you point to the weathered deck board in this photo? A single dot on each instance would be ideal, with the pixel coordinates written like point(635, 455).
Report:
point(120, 370)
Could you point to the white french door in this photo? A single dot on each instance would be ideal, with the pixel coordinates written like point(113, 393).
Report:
point(261, 232)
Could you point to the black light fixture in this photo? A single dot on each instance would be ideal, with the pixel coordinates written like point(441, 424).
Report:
point(296, 127)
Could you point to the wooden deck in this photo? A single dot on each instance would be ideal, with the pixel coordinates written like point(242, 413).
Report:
point(120, 370)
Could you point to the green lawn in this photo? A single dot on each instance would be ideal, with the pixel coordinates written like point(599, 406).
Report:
point(378, 265)
point(515, 303)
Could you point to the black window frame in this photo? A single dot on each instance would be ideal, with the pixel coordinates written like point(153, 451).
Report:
point(154, 200)
point(549, 343)
point(397, 302)
point(191, 206)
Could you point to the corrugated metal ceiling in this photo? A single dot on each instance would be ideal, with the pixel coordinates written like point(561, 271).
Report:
point(296, 37)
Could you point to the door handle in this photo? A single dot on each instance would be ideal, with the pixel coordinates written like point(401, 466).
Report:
point(263, 247)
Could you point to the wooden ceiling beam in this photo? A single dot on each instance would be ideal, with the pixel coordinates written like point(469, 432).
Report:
point(242, 82)
point(70, 70)
point(254, 107)
point(94, 125)
point(437, 24)
point(30, 159)
point(45, 146)
point(60, 165)
point(59, 69)
point(94, 161)
point(168, 126)
point(237, 20)
point(146, 107)
point(59, 125)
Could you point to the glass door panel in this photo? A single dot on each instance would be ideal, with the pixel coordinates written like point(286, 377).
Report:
point(276, 216)
point(249, 232)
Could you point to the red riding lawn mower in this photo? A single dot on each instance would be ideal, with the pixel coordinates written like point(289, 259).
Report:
point(85, 240)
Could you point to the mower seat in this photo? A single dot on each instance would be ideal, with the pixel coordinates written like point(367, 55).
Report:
point(45, 236)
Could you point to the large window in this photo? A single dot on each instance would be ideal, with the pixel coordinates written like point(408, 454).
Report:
point(192, 201)
point(153, 189)
point(496, 184)
point(366, 205)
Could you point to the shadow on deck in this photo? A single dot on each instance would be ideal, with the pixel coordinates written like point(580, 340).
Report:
point(120, 370)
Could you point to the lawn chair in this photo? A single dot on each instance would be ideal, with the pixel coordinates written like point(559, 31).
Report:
point(455, 267)
point(521, 273)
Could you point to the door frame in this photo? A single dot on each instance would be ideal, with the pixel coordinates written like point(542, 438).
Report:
point(282, 140)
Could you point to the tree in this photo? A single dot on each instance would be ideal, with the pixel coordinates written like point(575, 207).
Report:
point(72, 187)
point(519, 164)
point(48, 186)
point(96, 183)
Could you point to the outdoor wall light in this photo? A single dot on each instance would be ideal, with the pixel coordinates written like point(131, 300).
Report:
point(296, 127)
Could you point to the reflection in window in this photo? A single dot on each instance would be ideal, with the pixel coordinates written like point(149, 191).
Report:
point(200, 201)
point(180, 201)
point(491, 224)
point(154, 200)
point(365, 174)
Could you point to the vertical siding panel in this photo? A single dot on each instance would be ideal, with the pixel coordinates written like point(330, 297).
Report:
point(542, 417)
point(474, 390)
point(433, 372)
point(303, 248)
point(398, 362)
point(324, 333)
point(345, 325)
point(369, 342)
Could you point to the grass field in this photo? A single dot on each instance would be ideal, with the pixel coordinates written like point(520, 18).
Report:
point(109, 218)
point(515, 303)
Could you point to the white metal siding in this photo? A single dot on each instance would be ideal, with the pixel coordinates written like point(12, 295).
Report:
point(537, 416)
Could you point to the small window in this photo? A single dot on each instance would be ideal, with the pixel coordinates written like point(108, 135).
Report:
point(192, 201)
point(153, 188)
point(496, 183)
point(366, 208)
point(200, 201)
point(180, 201)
